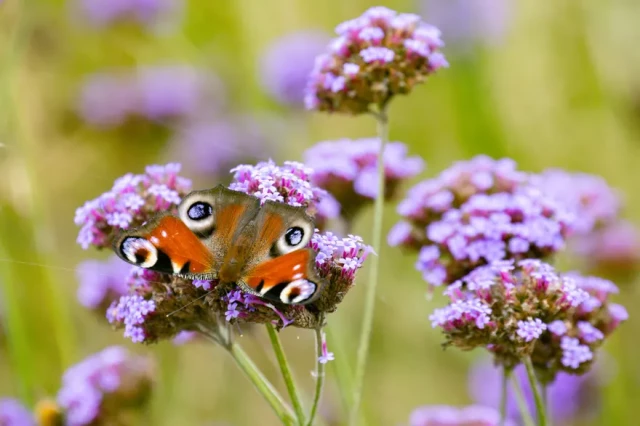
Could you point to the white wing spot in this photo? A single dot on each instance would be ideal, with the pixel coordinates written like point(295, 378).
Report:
point(297, 276)
point(298, 266)
point(164, 234)
point(155, 240)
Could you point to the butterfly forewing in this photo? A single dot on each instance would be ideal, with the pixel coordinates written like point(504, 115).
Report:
point(289, 278)
point(166, 245)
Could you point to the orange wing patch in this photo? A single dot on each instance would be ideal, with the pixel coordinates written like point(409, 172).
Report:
point(172, 237)
point(283, 269)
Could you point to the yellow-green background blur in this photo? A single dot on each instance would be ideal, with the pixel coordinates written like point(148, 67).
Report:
point(561, 88)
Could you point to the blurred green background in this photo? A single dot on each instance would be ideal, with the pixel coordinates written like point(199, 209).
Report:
point(559, 85)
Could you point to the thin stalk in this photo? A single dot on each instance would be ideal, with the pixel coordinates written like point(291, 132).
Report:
point(262, 385)
point(286, 373)
point(506, 372)
point(540, 409)
point(341, 369)
point(319, 378)
point(522, 404)
point(370, 296)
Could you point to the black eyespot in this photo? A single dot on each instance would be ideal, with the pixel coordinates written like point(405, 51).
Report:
point(199, 211)
point(294, 236)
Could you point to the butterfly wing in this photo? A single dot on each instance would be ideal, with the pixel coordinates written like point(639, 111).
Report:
point(280, 268)
point(290, 278)
point(217, 217)
point(193, 244)
point(165, 244)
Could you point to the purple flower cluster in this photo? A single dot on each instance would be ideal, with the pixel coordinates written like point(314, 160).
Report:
point(506, 306)
point(593, 202)
point(147, 12)
point(571, 342)
point(347, 169)
point(154, 93)
point(102, 282)
point(445, 415)
point(242, 305)
point(477, 212)
point(13, 413)
point(377, 55)
point(132, 200)
point(101, 386)
point(132, 311)
point(286, 64)
point(570, 397)
point(289, 183)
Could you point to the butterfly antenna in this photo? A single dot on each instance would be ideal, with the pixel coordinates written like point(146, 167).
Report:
point(189, 304)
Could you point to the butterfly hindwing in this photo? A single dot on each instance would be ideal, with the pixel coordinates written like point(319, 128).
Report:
point(166, 244)
point(290, 278)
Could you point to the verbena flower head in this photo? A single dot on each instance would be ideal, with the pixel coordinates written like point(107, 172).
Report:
point(593, 202)
point(101, 282)
point(446, 415)
point(146, 12)
point(612, 250)
point(570, 397)
point(477, 212)
point(377, 55)
point(132, 200)
point(170, 91)
point(160, 306)
point(427, 201)
point(570, 344)
point(13, 413)
point(506, 307)
point(347, 169)
point(104, 385)
point(287, 62)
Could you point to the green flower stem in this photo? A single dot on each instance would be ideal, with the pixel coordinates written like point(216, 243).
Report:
point(542, 415)
point(522, 404)
point(506, 373)
point(319, 377)
point(262, 385)
point(370, 296)
point(286, 373)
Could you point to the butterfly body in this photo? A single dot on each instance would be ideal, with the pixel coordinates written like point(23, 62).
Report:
point(226, 235)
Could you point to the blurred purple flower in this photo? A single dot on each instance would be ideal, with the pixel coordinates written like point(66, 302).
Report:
point(13, 413)
point(156, 93)
point(287, 62)
point(102, 282)
point(446, 415)
point(107, 99)
point(376, 56)
point(103, 384)
point(184, 337)
point(570, 397)
point(147, 12)
point(214, 147)
point(347, 169)
point(133, 199)
point(466, 22)
point(169, 91)
point(611, 251)
point(593, 202)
